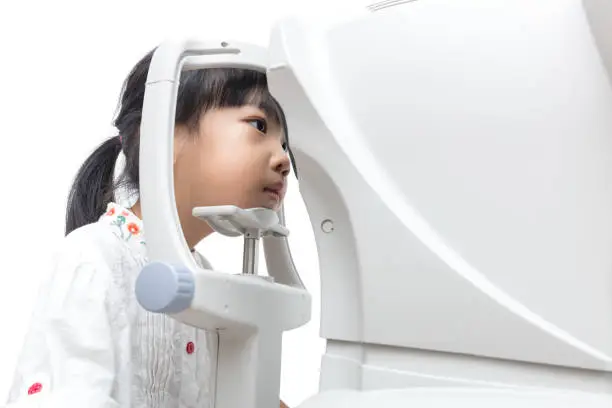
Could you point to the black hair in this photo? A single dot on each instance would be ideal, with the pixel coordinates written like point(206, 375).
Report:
point(199, 91)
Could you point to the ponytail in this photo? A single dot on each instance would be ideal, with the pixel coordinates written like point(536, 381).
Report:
point(92, 189)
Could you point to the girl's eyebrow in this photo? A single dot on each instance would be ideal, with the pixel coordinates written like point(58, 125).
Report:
point(255, 110)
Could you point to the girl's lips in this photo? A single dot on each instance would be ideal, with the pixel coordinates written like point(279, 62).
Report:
point(273, 193)
point(276, 190)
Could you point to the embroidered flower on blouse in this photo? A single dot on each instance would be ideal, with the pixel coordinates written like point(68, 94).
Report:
point(127, 225)
point(39, 383)
point(35, 388)
point(133, 228)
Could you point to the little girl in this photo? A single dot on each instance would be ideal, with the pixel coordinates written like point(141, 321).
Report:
point(90, 343)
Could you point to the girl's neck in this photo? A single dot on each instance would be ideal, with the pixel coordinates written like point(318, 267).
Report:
point(194, 231)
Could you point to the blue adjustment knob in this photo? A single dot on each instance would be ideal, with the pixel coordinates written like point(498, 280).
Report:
point(165, 288)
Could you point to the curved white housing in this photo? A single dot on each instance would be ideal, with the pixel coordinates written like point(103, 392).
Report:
point(463, 152)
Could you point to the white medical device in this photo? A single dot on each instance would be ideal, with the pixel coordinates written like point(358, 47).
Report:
point(455, 158)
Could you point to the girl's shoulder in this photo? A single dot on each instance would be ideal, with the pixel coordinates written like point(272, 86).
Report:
point(116, 235)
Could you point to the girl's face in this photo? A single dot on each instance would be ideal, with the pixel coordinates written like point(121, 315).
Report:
point(235, 157)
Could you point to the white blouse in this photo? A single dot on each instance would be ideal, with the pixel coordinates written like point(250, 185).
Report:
point(90, 343)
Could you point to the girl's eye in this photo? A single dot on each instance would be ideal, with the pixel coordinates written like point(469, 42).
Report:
point(284, 145)
point(259, 124)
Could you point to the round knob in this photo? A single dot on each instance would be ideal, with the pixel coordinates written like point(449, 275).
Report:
point(164, 288)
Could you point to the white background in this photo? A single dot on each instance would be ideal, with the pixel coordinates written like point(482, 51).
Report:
point(62, 65)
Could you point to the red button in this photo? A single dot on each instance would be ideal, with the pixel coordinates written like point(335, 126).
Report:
point(35, 388)
point(190, 347)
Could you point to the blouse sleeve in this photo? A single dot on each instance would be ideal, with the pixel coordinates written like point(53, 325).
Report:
point(68, 355)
